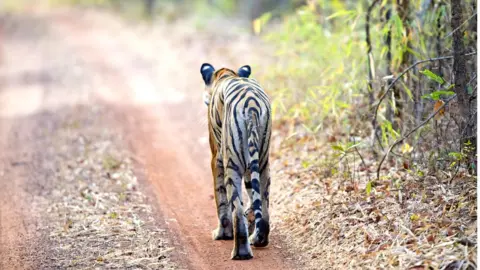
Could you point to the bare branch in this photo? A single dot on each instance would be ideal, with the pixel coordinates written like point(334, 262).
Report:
point(410, 133)
point(458, 28)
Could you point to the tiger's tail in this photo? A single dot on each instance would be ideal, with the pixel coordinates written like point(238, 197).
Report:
point(261, 227)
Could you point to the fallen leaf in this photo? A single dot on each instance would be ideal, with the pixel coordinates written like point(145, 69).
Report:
point(431, 238)
point(437, 106)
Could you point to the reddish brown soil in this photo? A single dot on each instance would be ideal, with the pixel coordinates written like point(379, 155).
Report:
point(167, 138)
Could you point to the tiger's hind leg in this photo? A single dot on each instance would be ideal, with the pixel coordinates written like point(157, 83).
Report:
point(249, 211)
point(241, 249)
point(224, 231)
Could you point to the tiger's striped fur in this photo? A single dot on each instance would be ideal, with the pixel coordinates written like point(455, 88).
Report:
point(239, 122)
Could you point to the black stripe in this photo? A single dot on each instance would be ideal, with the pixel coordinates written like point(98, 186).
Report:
point(240, 135)
point(218, 120)
point(232, 165)
point(254, 99)
point(256, 185)
point(265, 135)
point(254, 166)
point(233, 144)
point(257, 204)
point(253, 110)
point(221, 189)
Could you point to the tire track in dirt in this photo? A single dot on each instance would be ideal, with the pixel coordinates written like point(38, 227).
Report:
point(165, 136)
point(13, 231)
point(18, 132)
point(52, 147)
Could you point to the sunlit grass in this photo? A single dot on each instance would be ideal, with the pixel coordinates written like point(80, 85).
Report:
point(320, 72)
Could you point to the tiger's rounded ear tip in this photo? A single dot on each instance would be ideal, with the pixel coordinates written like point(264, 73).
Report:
point(247, 68)
point(245, 71)
point(205, 66)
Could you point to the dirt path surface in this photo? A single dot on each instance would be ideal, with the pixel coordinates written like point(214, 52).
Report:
point(134, 88)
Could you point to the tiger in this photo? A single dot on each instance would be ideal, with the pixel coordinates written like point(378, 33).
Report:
point(239, 127)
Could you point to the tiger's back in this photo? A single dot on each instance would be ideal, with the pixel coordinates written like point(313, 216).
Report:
point(245, 101)
point(239, 119)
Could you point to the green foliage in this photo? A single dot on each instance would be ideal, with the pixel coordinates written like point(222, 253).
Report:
point(260, 22)
point(317, 73)
point(345, 148)
point(436, 95)
point(389, 134)
point(368, 188)
point(433, 76)
point(462, 157)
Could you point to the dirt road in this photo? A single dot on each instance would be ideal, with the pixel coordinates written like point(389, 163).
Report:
point(146, 82)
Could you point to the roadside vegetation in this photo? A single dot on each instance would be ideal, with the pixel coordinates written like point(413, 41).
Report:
point(375, 123)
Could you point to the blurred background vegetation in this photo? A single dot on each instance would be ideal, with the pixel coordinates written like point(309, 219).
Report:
point(349, 71)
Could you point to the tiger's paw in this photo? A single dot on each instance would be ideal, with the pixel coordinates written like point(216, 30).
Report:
point(251, 220)
point(224, 230)
point(260, 237)
point(243, 252)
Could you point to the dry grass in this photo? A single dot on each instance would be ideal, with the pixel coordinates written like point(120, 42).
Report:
point(97, 218)
point(422, 222)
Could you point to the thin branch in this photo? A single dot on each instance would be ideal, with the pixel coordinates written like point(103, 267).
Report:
point(361, 157)
point(374, 122)
point(458, 28)
point(472, 79)
point(370, 63)
point(469, 123)
point(411, 132)
point(369, 47)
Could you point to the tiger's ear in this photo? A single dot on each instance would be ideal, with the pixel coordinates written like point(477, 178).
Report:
point(244, 71)
point(207, 72)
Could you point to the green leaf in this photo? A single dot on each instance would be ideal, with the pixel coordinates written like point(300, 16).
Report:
point(341, 13)
point(305, 164)
point(338, 147)
point(408, 91)
point(436, 95)
point(433, 76)
point(469, 89)
point(307, 128)
point(456, 155)
point(397, 22)
point(352, 145)
point(318, 128)
point(260, 22)
point(368, 188)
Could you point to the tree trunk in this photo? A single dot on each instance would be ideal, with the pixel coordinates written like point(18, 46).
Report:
point(388, 67)
point(371, 67)
point(370, 62)
point(403, 12)
point(149, 8)
point(459, 69)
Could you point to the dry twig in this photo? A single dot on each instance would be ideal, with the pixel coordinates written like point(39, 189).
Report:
point(456, 29)
point(410, 133)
